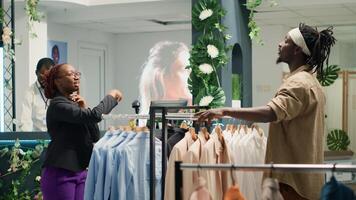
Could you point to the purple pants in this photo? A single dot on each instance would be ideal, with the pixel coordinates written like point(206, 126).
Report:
point(62, 184)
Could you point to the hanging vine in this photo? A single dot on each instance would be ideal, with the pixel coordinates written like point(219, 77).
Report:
point(31, 9)
point(255, 30)
point(208, 54)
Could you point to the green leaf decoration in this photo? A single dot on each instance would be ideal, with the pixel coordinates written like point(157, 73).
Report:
point(199, 53)
point(209, 49)
point(217, 93)
point(208, 23)
point(337, 140)
point(17, 143)
point(330, 74)
point(252, 4)
point(4, 151)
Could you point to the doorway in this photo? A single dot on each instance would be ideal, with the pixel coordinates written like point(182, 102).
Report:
point(91, 63)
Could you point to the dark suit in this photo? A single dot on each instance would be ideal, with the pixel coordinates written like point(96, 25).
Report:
point(73, 130)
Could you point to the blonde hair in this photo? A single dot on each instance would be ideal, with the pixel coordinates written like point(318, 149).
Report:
point(158, 65)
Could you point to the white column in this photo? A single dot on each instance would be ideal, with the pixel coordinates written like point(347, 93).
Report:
point(28, 53)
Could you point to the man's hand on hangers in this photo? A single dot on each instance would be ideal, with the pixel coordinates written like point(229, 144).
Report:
point(210, 115)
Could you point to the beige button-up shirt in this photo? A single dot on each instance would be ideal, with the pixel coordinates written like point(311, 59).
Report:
point(178, 152)
point(297, 136)
point(190, 178)
point(216, 152)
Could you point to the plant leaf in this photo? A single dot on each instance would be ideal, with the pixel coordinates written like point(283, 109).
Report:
point(330, 74)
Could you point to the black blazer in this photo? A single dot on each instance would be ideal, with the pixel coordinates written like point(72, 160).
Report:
point(73, 130)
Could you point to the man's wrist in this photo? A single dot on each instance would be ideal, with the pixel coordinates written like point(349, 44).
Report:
point(229, 111)
point(226, 112)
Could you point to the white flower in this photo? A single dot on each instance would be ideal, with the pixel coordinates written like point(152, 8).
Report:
point(38, 178)
point(205, 101)
point(21, 152)
point(206, 68)
point(33, 2)
point(6, 39)
point(212, 51)
point(6, 31)
point(6, 35)
point(228, 37)
point(205, 14)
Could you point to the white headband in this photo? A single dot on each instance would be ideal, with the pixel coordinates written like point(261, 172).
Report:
point(298, 39)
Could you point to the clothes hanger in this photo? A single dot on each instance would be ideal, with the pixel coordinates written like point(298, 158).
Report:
point(233, 192)
point(218, 131)
point(132, 124)
point(204, 130)
point(193, 133)
point(234, 128)
point(228, 127)
point(184, 125)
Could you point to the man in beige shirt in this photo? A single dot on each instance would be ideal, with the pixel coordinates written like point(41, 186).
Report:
point(296, 113)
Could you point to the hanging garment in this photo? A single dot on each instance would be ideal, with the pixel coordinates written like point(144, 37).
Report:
point(270, 190)
point(105, 163)
point(192, 156)
point(233, 193)
point(114, 155)
point(170, 132)
point(174, 139)
point(94, 164)
point(333, 190)
point(201, 192)
point(215, 152)
point(228, 136)
point(134, 170)
point(248, 146)
point(178, 152)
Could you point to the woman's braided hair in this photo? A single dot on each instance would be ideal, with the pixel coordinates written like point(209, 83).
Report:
point(50, 88)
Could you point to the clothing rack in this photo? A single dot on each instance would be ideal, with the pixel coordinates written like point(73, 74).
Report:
point(162, 112)
point(311, 168)
point(171, 116)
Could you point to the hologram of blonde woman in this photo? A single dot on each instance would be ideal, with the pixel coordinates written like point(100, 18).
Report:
point(164, 76)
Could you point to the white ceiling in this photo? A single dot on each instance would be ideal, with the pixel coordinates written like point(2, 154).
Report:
point(321, 13)
point(121, 16)
point(127, 16)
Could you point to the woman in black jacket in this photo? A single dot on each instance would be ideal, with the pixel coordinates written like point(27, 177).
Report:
point(73, 130)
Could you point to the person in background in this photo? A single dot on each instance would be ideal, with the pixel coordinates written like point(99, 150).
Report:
point(33, 116)
point(73, 129)
point(296, 113)
point(55, 54)
point(164, 75)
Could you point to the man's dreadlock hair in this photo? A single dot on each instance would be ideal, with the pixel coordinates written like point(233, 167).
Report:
point(319, 44)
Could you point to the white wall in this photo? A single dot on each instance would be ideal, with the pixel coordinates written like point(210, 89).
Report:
point(266, 74)
point(74, 36)
point(126, 54)
point(347, 55)
point(132, 52)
